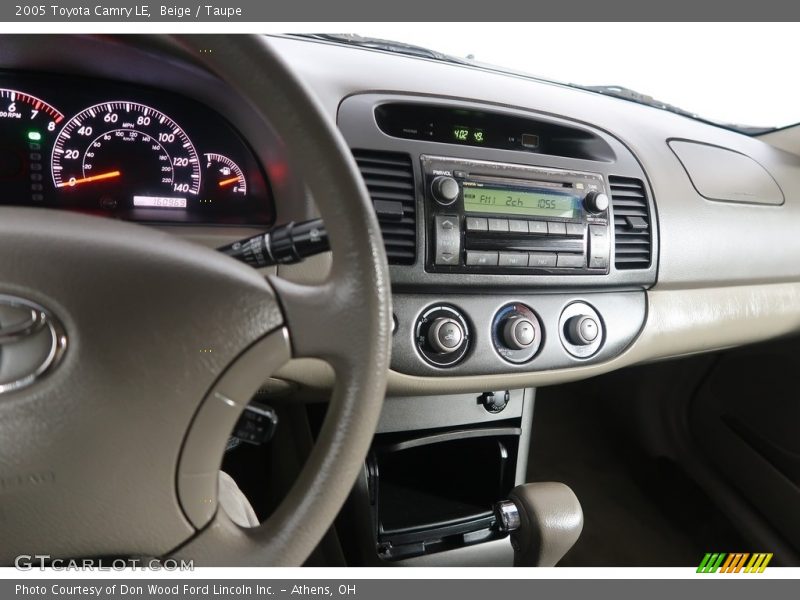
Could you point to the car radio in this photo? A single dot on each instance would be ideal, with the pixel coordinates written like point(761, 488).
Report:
point(489, 217)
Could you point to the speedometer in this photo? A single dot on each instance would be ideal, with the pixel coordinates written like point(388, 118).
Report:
point(126, 154)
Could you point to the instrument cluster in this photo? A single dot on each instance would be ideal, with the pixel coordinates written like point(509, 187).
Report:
point(125, 151)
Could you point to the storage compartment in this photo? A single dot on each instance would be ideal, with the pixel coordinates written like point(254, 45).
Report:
point(436, 492)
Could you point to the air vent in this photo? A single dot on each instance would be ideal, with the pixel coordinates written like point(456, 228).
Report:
point(390, 180)
point(632, 230)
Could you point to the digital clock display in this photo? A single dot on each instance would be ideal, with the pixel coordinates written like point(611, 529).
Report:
point(512, 201)
point(468, 135)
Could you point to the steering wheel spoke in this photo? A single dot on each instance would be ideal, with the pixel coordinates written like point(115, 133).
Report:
point(323, 320)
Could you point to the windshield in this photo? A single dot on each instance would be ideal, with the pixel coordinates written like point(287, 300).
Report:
point(736, 75)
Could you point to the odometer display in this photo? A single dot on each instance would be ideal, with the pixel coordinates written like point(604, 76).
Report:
point(115, 151)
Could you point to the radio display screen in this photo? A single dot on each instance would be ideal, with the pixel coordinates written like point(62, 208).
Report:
point(513, 201)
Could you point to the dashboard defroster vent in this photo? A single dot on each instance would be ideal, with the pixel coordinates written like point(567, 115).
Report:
point(389, 177)
point(632, 223)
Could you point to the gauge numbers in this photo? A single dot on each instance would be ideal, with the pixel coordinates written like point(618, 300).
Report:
point(27, 109)
point(125, 149)
point(225, 174)
point(27, 124)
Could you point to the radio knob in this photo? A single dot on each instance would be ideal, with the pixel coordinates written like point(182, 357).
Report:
point(445, 335)
point(518, 332)
point(582, 330)
point(444, 189)
point(595, 202)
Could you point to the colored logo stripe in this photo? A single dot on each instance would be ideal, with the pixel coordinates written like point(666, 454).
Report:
point(758, 563)
point(710, 563)
point(734, 562)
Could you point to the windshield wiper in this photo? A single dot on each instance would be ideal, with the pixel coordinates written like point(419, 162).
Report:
point(353, 39)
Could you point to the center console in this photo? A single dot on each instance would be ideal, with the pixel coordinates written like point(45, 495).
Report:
point(517, 242)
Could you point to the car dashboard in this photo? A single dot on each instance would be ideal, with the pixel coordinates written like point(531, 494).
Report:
point(536, 234)
point(507, 204)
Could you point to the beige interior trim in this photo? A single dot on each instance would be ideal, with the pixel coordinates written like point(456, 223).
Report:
point(679, 322)
point(787, 139)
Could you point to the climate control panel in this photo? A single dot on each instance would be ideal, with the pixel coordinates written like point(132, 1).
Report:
point(486, 334)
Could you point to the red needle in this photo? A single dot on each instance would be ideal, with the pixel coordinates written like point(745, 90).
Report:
point(74, 181)
point(225, 182)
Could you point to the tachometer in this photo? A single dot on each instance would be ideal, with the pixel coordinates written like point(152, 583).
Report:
point(28, 110)
point(27, 123)
point(126, 153)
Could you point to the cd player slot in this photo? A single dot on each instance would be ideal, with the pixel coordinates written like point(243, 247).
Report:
point(475, 242)
point(516, 181)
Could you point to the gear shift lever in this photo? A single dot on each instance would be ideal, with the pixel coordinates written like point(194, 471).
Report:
point(544, 520)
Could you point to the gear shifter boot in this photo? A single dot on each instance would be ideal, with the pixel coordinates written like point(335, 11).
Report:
point(544, 519)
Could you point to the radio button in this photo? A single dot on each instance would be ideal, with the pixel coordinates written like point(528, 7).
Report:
point(598, 247)
point(537, 227)
point(595, 201)
point(444, 189)
point(477, 224)
point(542, 259)
point(513, 259)
point(556, 228)
point(575, 229)
point(481, 259)
point(448, 240)
point(517, 226)
point(498, 224)
point(570, 260)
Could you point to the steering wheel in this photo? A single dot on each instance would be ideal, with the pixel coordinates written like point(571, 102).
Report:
point(112, 447)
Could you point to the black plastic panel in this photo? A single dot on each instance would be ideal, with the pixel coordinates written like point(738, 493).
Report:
point(436, 492)
point(489, 129)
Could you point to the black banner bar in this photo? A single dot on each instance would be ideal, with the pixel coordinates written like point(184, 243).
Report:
point(272, 11)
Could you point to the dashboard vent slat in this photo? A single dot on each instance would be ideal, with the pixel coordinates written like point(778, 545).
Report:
point(633, 244)
point(389, 177)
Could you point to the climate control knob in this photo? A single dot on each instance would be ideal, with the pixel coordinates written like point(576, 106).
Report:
point(516, 333)
point(595, 202)
point(582, 330)
point(519, 332)
point(441, 335)
point(444, 189)
point(445, 335)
